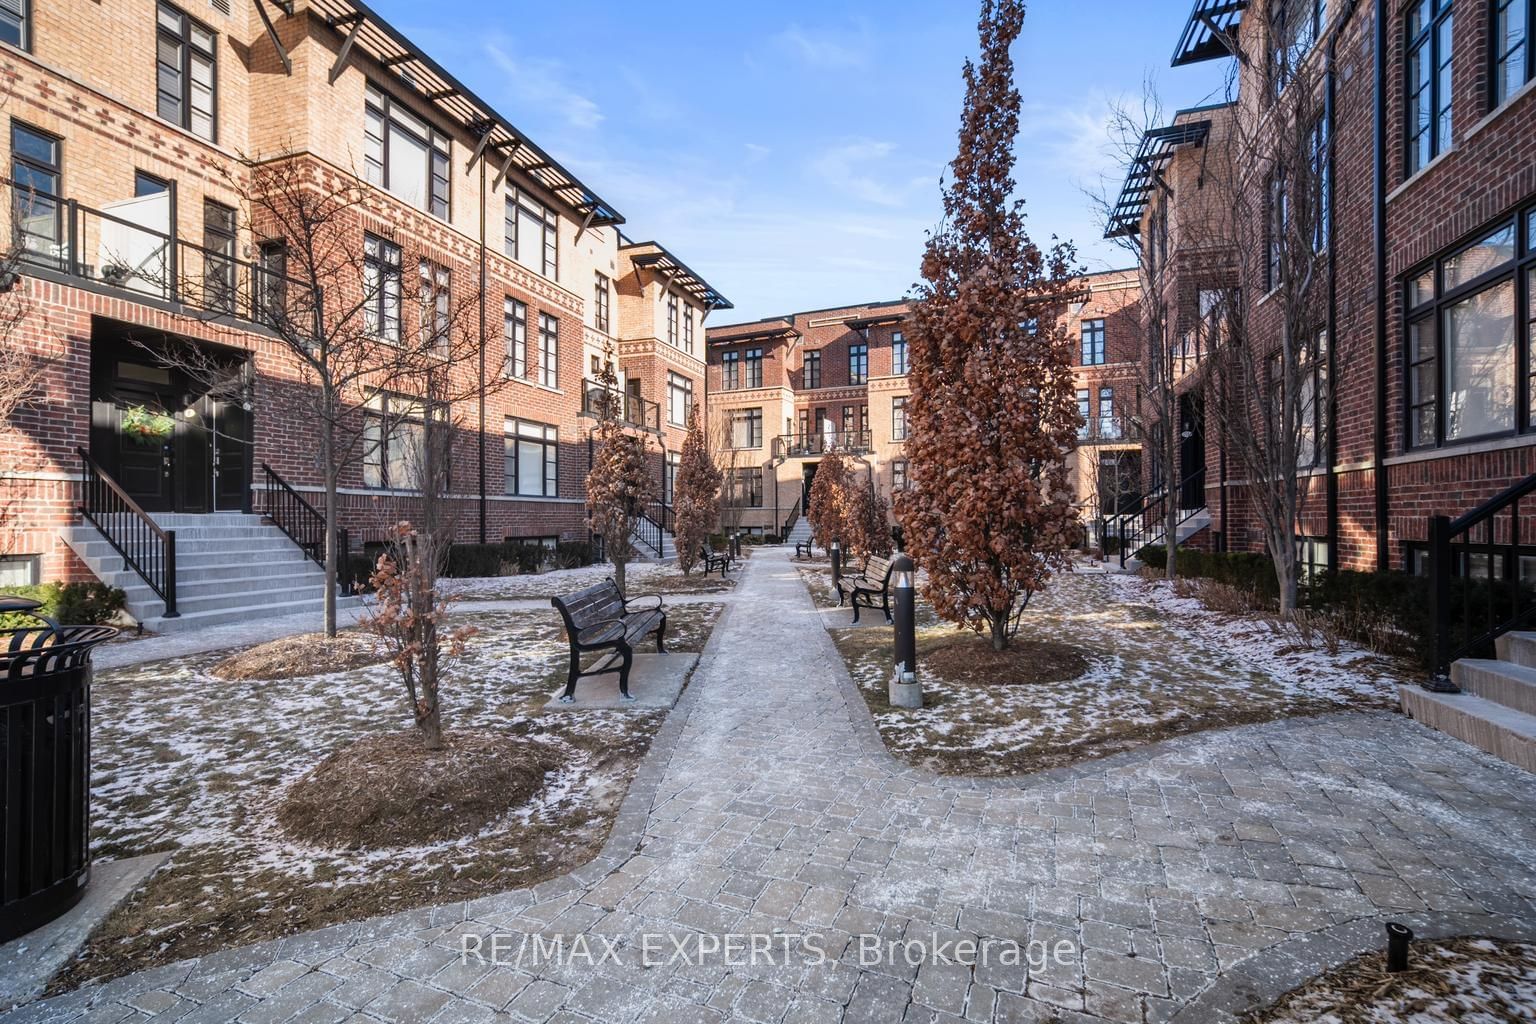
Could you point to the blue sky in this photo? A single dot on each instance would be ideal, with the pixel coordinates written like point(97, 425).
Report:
point(791, 152)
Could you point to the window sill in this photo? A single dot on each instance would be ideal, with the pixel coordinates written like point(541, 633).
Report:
point(1499, 111)
point(1420, 173)
point(1456, 449)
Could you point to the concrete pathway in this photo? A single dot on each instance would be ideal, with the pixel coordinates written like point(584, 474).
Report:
point(1183, 881)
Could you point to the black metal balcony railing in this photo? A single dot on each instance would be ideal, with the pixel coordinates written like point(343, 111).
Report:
point(795, 446)
point(70, 238)
point(598, 402)
point(1107, 428)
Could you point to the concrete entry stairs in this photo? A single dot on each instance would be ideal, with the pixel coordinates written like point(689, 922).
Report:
point(230, 567)
point(1496, 710)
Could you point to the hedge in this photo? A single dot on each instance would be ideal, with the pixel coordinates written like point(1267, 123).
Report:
point(69, 604)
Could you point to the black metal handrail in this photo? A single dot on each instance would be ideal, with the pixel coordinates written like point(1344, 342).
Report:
point(598, 401)
point(304, 524)
point(791, 446)
point(648, 532)
point(662, 513)
point(145, 548)
point(790, 520)
point(1492, 602)
point(1148, 522)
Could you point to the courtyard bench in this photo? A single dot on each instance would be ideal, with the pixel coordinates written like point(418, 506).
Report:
point(803, 549)
point(715, 560)
point(873, 581)
point(600, 618)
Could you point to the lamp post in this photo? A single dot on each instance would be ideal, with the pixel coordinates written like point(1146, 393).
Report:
point(905, 690)
point(837, 563)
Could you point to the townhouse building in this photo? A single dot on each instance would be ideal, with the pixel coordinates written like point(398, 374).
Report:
point(138, 137)
point(1426, 127)
point(785, 391)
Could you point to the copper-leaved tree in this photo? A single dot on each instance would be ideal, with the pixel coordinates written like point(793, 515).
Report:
point(829, 506)
point(619, 485)
point(871, 518)
point(993, 414)
point(695, 495)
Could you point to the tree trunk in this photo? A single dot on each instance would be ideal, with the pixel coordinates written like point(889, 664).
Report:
point(327, 460)
point(1170, 478)
point(618, 573)
point(1000, 631)
point(1285, 576)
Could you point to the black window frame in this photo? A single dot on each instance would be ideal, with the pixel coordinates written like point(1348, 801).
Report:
point(220, 238)
point(1519, 272)
point(378, 410)
point(747, 489)
point(386, 266)
point(858, 362)
point(378, 102)
point(752, 368)
point(1500, 91)
point(183, 37)
point(672, 335)
point(23, 22)
point(549, 350)
point(1287, 51)
point(514, 335)
point(899, 418)
point(434, 283)
point(687, 314)
point(901, 363)
point(678, 384)
point(23, 197)
point(602, 310)
point(271, 281)
point(1085, 413)
point(548, 440)
point(520, 199)
point(810, 370)
point(1428, 40)
point(1092, 335)
point(898, 474)
point(730, 371)
point(754, 420)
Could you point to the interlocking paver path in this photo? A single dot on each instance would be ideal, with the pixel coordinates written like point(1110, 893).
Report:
point(1187, 880)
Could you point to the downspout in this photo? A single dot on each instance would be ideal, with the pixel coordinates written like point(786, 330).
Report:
point(1331, 407)
point(1379, 227)
point(484, 199)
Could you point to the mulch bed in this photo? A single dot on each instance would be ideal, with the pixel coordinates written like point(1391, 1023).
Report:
point(968, 659)
point(309, 654)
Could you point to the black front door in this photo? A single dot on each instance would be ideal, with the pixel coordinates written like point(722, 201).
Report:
point(133, 430)
point(1191, 452)
point(808, 477)
point(232, 441)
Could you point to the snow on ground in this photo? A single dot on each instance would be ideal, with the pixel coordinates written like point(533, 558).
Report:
point(1158, 667)
point(640, 578)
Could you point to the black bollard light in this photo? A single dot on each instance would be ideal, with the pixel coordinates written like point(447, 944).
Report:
point(904, 613)
point(837, 563)
point(1398, 937)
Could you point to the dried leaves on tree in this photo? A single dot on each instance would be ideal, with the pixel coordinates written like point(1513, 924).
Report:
point(619, 487)
point(695, 495)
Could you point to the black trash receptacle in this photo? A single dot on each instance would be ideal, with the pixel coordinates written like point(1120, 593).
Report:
point(45, 767)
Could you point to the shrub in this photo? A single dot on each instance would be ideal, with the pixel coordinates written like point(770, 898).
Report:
point(574, 554)
point(69, 604)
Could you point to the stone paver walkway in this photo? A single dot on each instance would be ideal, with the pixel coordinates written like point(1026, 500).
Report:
point(1181, 881)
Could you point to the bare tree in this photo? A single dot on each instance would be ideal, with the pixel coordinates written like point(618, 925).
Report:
point(22, 374)
point(731, 460)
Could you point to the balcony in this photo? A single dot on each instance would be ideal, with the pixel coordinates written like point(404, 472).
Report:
point(132, 247)
point(801, 446)
point(1104, 430)
point(598, 401)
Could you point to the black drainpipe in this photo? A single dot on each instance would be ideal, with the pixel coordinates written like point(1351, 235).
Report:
point(1379, 217)
point(1331, 406)
point(484, 199)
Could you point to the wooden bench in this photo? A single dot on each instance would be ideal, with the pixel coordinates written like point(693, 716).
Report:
point(600, 618)
point(715, 560)
point(803, 549)
point(873, 581)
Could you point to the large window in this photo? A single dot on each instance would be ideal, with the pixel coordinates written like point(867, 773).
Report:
point(899, 354)
point(531, 234)
point(747, 428)
point(381, 288)
point(549, 350)
point(1084, 412)
point(602, 291)
point(16, 23)
point(752, 365)
point(435, 305)
point(514, 331)
point(533, 459)
point(184, 72)
point(394, 442)
point(899, 418)
point(1109, 423)
point(35, 170)
point(1294, 26)
point(898, 474)
point(219, 256)
point(811, 375)
point(748, 489)
point(679, 399)
point(1513, 23)
point(1469, 339)
point(1093, 342)
point(730, 370)
point(405, 155)
point(858, 362)
point(687, 328)
point(1428, 84)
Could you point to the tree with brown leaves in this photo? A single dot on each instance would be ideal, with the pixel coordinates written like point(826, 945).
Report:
point(871, 533)
point(830, 510)
point(619, 486)
point(993, 415)
point(695, 495)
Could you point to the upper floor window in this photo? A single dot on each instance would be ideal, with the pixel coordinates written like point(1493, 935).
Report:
point(1109, 424)
point(1083, 412)
point(1322, 183)
point(898, 474)
point(1277, 222)
point(36, 167)
point(679, 399)
point(858, 362)
point(730, 370)
point(747, 428)
point(271, 282)
point(405, 155)
point(1428, 71)
point(899, 418)
point(532, 234)
point(1093, 342)
point(1294, 26)
point(1471, 317)
point(184, 72)
point(811, 373)
point(514, 331)
point(549, 350)
point(753, 365)
point(381, 288)
point(533, 458)
point(395, 442)
point(219, 256)
point(602, 291)
point(672, 320)
point(687, 328)
point(899, 354)
point(1513, 23)
point(436, 312)
point(16, 23)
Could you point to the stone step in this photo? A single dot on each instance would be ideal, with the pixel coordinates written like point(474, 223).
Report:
point(197, 620)
point(1502, 682)
point(270, 600)
point(1501, 731)
point(189, 562)
point(177, 520)
point(94, 546)
point(1517, 647)
point(239, 581)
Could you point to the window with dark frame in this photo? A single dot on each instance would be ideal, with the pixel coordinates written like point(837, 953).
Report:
point(36, 169)
point(602, 291)
point(858, 363)
point(16, 23)
point(533, 459)
point(272, 282)
point(514, 331)
point(899, 365)
point(20, 570)
point(394, 442)
point(811, 371)
point(898, 474)
point(1427, 82)
point(435, 301)
point(1277, 208)
point(531, 234)
point(185, 72)
point(687, 328)
point(549, 350)
point(899, 418)
point(679, 399)
point(1085, 413)
point(1109, 424)
point(405, 155)
point(1514, 22)
point(748, 492)
point(218, 256)
point(849, 423)
point(381, 288)
point(1471, 316)
point(1093, 342)
point(672, 320)
point(747, 428)
point(730, 371)
point(752, 365)
point(1322, 185)
point(1294, 26)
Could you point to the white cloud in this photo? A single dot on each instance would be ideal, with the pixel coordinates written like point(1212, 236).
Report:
point(828, 49)
point(539, 83)
point(846, 167)
point(756, 152)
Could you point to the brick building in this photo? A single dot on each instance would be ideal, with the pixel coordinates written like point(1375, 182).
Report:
point(134, 134)
point(1427, 112)
point(786, 390)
